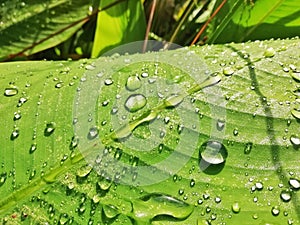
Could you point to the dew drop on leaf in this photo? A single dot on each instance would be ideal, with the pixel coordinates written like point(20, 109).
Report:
point(74, 143)
point(220, 124)
point(259, 186)
point(110, 211)
point(90, 67)
point(235, 132)
point(118, 154)
point(17, 116)
point(50, 127)
point(295, 140)
point(228, 71)
point(135, 102)
point(33, 148)
point(93, 133)
point(192, 183)
point(248, 148)
point(133, 83)
point(285, 196)
point(108, 82)
point(3, 177)
point(84, 171)
point(236, 207)
point(213, 152)
point(104, 183)
point(14, 134)
point(11, 91)
point(59, 85)
point(296, 75)
point(173, 100)
point(270, 52)
point(295, 184)
point(275, 210)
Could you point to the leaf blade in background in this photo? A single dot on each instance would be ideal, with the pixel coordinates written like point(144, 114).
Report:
point(257, 20)
point(262, 164)
point(121, 24)
point(35, 26)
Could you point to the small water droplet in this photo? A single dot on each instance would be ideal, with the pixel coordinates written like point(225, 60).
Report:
point(14, 134)
point(118, 154)
point(84, 171)
point(144, 75)
point(17, 116)
point(248, 148)
point(33, 148)
point(192, 183)
point(93, 133)
point(218, 200)
point(90, 67)
point(135, 102)
point(295, 184)
point(228, 71)
point(108, 81)
point(270, 52)
point(180, 191)
point(296, 113)
point(275, 210)
point(295, 75)
point(59, 85)
point(220, 124)
point(74, 143)
point(133, 83)
point(285, 196)
point(213, 152)
point(11, 91)
point(259, 186)
point(50, 127)
point(236, 207)
point(235, 132)
point(3, 177)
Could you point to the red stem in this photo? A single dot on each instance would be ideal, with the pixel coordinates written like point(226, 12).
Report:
point(149, 24)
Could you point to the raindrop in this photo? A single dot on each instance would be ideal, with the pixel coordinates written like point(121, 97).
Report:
point(11, 91)
point(14, 134)
point(285, 196)
point(93, 133)
point(17, 116)
point(295, 140)
point(235, 132)
point(32, 148)
point(22, 100)
point(3, 177)
point(180, 191)
point(295, 75)
point(173, 100)
point(133, 83)
point(218, 200)
point(270, 52)
point(118, 154)
point(108, 82)
point(228, 71)
point(220, 124)
point(135, 102)
point(104, 183)
point(248, 148)
point(74, 143)
point(144, 75)
point(259, 186)
point(110, 211)
point(50, 127)
point(59, 85)
point(90, 67)
point(295, 184)
point(213, 152)
point(236, 207)
point(275, 210)
point(84, 171)
point(192, 183)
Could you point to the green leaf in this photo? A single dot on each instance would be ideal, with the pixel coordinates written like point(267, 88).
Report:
point(30, 27)
point(74, 150)
point(121, 24)
point(256, 20)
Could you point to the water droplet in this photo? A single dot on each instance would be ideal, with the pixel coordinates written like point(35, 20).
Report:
point(118, 154)
point(110, 211)
point(135, 102)
point(133, 83)
point(228, 71)
point(220, 124)
point(59, 85)
point(192, 183)
point(213, 152)
point(285, 196)
point(144, 75)
point(235, 132)
point(90, 67)
point(295, 184)
point(180, 191)
point(104, 183)
point(11, 91)
point(236, 207)
point(248, 148)
point(270, 52)
point(295, 140)
point(3, 177)
point(173, 100)
point(84, 171)
point(93, 133)
point(295, 75)
point(14, 134)
point(108, 82)
point(50, 127)
point(17, 116)
point(259, 186)
point(32, 148)
point(218, 200)
point(74, 142)
point(275, 210)
point(296, 113)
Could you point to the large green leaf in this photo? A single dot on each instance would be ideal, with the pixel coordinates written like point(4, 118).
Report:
point(121, 24)
point(256, 20)
point(241, 95)
point(28, 27)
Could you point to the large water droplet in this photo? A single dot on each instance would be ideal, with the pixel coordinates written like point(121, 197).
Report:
point(275, 210)
point(295, 184)
point(104, 183)
point(17, 116)
point(236, 207)
point(32, 148)
point(93, 133)
point(14, 134)
point(108, 82)
point(213, 152)
point(228, 71)
point(110, 211)
point(270, 52)
point(220, 124)
point(296, 113)
point(133, 83)
point(285, 196)
point(11, 91)
point(135, 102)
point(295, 140)
point(174, 100)
point(84, 171)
